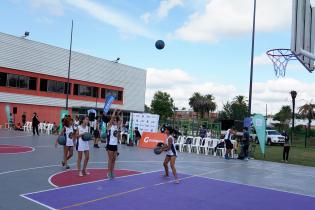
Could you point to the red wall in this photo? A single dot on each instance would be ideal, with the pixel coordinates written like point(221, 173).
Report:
point(45, 113)
point(57, 95)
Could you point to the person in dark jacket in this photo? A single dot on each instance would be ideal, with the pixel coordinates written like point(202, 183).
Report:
point(35, 123)
point(286, 147)
point(137, 136)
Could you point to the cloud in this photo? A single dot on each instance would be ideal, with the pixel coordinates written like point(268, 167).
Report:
point(166, 6)
point(162, 11)
point(146, 17)
point(180, 85)
point(276, 93)
point(111, 17)
point(54, 7)
point(262, 60)
point(233, 18)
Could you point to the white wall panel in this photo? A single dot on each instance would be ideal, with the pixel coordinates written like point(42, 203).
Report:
point(23, 54)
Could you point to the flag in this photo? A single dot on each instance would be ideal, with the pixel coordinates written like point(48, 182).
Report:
point(130, 128)
point(108, 102)
point(259, 122)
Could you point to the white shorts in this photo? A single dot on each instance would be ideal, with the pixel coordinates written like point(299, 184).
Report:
point(83, 145)
point(69, 143)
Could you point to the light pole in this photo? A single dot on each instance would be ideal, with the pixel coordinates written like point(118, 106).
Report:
point(252, 63)
point(69, 66)
point(293, 96)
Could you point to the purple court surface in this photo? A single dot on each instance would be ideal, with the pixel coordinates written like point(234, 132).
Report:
point(154, 192)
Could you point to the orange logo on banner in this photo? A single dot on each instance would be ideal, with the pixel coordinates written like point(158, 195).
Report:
point(150, 140)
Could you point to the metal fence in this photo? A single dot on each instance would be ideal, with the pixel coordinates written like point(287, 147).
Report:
point(192, 127)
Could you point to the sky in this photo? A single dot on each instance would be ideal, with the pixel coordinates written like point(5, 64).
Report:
point(207, 43)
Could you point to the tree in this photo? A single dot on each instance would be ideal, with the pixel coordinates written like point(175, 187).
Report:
point(184, 108)
point(162, 104)
point(202, 104)
point(284, 116)
point(147, 109)
point(307, 112)
point(235, 110)
point(195, 102)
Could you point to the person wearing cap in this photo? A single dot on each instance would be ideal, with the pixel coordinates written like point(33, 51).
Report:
point(171, 153)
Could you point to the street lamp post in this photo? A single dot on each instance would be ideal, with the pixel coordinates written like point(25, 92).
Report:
point(252, 63)
point(293, 96)
point(69, 67)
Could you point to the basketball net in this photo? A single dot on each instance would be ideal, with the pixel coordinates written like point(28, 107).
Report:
point(280, 59)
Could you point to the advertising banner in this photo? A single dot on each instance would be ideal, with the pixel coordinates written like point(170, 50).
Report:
point(150, 140)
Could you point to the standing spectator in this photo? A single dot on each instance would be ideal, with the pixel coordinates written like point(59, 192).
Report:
point(203, 131)
point(35, 123)
point(286, 147)
point(137, 136)
point(228, 144)
point(96, 132)
point(23, 118)
point(245, 142)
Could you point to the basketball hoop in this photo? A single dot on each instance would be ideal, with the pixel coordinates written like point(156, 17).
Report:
point(280, 59)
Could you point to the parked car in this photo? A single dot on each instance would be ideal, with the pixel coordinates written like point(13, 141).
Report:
point(272, 137)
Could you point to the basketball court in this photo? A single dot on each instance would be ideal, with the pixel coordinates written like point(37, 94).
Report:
point(31, 176)
point(35, 180)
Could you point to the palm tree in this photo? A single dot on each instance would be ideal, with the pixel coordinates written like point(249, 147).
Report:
point(307, 112)
point(240, 100)
point(195, 102)
point(210, 104)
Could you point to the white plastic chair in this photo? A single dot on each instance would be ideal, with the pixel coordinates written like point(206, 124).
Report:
point(25, 126)
point(196, 144)
point(221, 151)
point(180, 140)
point(49, 128)
point(211, 147)
point(186, 144)
point(204, 147)
point(233, 151)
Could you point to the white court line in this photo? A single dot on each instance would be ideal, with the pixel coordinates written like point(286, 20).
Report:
point(15, 153)
point(39, 203)
point(104, 162)
point(201, 175)
point(248, 185)
point(142, 173)
point(12, 137)
point(52, 184)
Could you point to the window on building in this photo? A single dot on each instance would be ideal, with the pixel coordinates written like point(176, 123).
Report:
point(12, 80)
point(83, 90)
point(120, 96)
point(17, 81)
point(3, 79)
point(107, 92)
point(32, 83)
point(54, 86)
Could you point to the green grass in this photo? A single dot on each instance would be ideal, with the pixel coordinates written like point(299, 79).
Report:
point(298, 154)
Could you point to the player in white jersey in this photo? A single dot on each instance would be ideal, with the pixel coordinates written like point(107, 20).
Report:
point(68, 132)
point(112, 129)
point(83, 147)
point(171, 153)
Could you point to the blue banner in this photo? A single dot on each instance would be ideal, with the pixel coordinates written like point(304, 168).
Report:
point(247, 122)
point(259, 122)
point(108, 102)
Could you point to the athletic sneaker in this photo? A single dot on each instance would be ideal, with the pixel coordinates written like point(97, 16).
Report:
point(80, 173)
point(67, 167)
point(226, 157)
point(113, 175)
point(108, 175)
point(62, 163)
point(85, 172)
